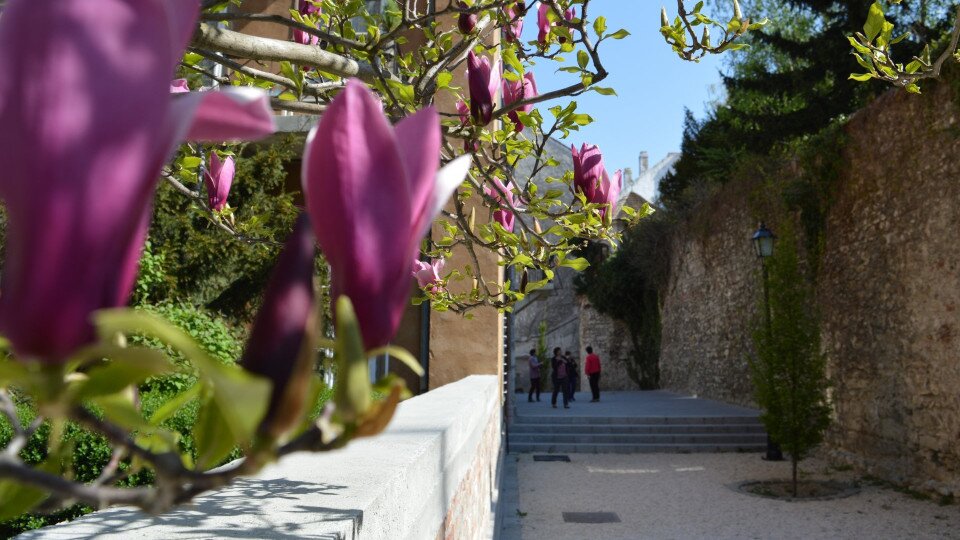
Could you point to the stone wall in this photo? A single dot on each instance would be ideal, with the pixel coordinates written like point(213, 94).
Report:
point(888, 291)
point(709, 303)
point(434, 473)
point(610, 340)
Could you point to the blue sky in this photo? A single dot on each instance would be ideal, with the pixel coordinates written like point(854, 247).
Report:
point(652, 83)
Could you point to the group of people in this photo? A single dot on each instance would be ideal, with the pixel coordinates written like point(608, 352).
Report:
point(565, 376)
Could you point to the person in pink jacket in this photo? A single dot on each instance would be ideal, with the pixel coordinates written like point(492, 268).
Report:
point(592, 369)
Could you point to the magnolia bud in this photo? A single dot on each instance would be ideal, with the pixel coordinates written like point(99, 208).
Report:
point(536, 226)
point(737, 14)
point(664, 20)
point(705, 40)
point(467, 22)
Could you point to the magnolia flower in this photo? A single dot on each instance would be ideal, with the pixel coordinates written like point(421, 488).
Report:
point(525, 88)
point(570, 14)
point(543, 23)
point(464, 111)
point(609, 193)
point(587, 170)
point(307, 8)
point(179, 86)
point(372, 191)
point(218, 179)
point(502, 216)
point(590, 178)
point(280, 347)
point(427, 273)
point(467, 21)
point(85, 133)
point(484, 81)
point(514, 14)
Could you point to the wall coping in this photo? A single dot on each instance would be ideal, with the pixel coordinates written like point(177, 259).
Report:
point(399, 484)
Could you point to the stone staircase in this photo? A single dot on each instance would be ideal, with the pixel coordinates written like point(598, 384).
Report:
point(628, 435)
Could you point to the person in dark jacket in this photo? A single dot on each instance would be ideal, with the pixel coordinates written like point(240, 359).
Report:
point(573, 374)
point(558, 371)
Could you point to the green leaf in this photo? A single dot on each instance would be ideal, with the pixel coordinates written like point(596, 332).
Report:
point(600, 25)
point(913, 88)
point(190, 162)
point(579, 264)
point(127, 366)
point(401, 354)
point(604, 91)
point(875, 19)
point(119, 410)
point(352, 393)
point(443, 79)
point(861, 76)
point(171, 407)
point(212, 435)
point(620, 34)
point(583, 59)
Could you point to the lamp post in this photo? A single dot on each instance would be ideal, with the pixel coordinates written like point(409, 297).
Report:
point(763, 241)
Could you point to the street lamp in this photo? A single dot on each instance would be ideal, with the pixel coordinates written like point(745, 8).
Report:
point(763, 241)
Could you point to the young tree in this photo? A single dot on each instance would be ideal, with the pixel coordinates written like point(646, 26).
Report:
point(789, 371)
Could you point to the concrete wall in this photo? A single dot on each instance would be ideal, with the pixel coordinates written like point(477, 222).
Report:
point(432, 474)
point(888, 291)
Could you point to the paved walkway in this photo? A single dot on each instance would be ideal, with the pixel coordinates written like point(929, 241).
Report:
point(651, 403)
point(691, 496)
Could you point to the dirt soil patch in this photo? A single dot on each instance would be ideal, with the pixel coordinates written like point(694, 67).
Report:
point(807, 490)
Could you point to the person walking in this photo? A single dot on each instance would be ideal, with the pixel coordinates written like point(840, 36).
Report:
point(558, 368)
point(592, 368)
point(534, 375)
point(573, 374)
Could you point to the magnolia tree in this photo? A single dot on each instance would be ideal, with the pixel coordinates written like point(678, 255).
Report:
point(100, 101)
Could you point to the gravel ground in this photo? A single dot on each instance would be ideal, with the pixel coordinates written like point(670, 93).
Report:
point(687, 496)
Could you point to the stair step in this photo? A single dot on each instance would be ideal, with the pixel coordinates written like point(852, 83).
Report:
point(645, 420)
point(593, 438)
point(574, 448)
point(635, 428)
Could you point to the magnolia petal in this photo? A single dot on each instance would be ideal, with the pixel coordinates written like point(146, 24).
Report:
point(358, 197)
point(448, 179)
point(235, 113)
point(418, 140)
point(182, 20)
point(279, 346)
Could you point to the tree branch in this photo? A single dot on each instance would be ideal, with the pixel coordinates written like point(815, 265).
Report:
point(260, 48)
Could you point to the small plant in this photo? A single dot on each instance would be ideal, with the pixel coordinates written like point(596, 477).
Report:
point(789, 371)
point(542, 351)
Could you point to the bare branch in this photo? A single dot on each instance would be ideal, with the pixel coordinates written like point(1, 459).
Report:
point(260, 48)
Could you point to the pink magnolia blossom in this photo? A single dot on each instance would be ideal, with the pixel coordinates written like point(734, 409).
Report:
point(513, 91)
point(543, 23)
point(281, 330)
point(428, 273)
point(372, 191)
point(570, 14)
point(306, 9)
point(88, 121)
point(464, 111)
point(484, 82)
point(514, 28)
point(218, 179)
point(590, 178)
point(502, 216)
point(179, 86)
point(609, 193)
point(588, 170)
